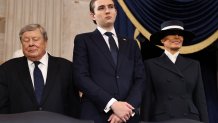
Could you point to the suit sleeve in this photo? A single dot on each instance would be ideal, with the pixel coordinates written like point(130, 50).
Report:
point(82, 76)
point(146, 105)
point(199, 98)
point(135, 94)
point(3, 92)
point(73, 96)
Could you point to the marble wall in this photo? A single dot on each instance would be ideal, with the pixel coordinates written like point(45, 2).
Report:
point(2, 27)
point(63, 19)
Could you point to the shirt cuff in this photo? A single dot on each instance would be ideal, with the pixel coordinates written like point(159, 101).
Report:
point(108, 106)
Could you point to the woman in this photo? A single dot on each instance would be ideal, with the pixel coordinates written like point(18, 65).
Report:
point(174, 87)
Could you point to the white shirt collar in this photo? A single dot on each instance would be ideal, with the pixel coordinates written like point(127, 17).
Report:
point(172, 57)
point(43, 60)
point(43, 67)
point(102, 31)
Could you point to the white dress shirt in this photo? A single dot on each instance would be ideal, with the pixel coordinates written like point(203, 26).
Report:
point(43, 66)
point(106, 38)
point(172, 57)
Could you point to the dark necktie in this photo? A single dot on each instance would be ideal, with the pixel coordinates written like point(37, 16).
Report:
point(38, 81)
point(113, 46)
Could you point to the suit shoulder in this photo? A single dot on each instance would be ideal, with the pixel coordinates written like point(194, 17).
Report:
point(83, 35)
point(191, 60)
point(60, 60)
point(13, 62)
point(148, 61)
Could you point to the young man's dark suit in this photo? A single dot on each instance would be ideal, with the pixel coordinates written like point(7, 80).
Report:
point(17, 92)
point(100, 79)
point(178, 87)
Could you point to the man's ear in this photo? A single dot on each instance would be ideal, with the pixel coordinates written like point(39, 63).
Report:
point(92, 15)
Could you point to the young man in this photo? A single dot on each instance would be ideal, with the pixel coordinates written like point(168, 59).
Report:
point(174, 86)
point(37, 81)
point(108, 69)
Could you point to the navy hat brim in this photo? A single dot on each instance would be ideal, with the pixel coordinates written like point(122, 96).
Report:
point(156, 37)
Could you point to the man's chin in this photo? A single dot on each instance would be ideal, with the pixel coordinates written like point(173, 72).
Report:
point(32, 56)
point(109, 23)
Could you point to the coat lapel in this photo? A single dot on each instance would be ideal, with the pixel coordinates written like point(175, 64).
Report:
point(26, 79)
point(101, 44)
point(122, 50)
point(165, 62)
point(182, 63)
point(51, 77)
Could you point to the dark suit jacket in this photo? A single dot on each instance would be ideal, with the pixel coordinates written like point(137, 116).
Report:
point(100, 80)
point(17, 92)
point(174, 90)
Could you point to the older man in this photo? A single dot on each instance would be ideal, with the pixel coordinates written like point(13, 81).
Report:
point(37, 81)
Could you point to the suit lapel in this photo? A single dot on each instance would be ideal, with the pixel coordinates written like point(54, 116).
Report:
point(122, 50)
point(101, 44)
point(26, 79)
point(182, 63)
point(165, 62)
point(51, 77)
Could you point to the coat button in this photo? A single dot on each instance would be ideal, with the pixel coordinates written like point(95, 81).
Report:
point(117, 77)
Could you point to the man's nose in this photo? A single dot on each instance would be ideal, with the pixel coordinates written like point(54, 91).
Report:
point(31, 42)
point(107, 9)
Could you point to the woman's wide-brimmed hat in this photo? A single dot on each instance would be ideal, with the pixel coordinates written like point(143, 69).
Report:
point(171, 28)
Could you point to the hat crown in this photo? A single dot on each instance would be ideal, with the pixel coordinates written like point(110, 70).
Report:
point(167, 25)
point(171, 27)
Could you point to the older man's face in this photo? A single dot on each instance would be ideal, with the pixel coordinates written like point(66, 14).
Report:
point(33, 44)
point(172, 43)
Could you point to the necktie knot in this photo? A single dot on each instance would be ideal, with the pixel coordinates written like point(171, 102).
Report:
point(108, 34)
point(113, 46)
point(36, 63)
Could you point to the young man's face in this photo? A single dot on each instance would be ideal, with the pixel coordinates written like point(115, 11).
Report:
point(104, 13)
point(172, 43)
